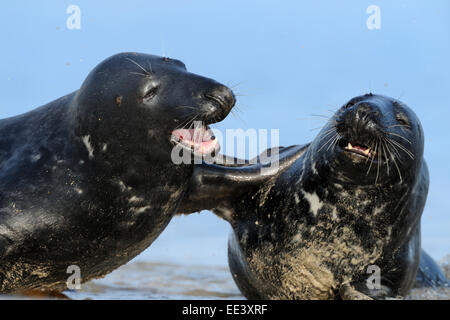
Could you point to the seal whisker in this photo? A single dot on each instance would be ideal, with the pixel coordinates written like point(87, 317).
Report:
point(400, 136)
point(394, 148)
point(398, 169)
point(320, 116)
point(184, 124)
point(371, 162)
point(140, 74)
point(385, 156)
point(235, 114)
point(399, 125)
point(237, 108)
point(409, 153)
point(372, 147)
point(317, 128)
point(330, 129)
point(393, 159)
point(327, 132)
point(333, 142)
point(338, 138)
point(389, 152)
point(328, 141)
point(143, 69)
point(377, 151)
point(232, 86)
point(186, 107)
point(324, 136)
point(330, 144)
point(150, 67)
point(192, 122)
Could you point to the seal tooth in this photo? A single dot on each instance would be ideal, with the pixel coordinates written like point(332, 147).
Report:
point(367, 151)
point(349, 146)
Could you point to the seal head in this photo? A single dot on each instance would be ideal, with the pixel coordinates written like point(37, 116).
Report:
point(372, 139)
point(155, 98)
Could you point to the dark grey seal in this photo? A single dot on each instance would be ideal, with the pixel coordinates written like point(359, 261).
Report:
point(89, 180)
point(341, 220)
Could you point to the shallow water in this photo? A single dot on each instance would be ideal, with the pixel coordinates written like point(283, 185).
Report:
point(154, 280)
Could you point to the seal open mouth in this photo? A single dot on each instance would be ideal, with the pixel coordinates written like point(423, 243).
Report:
point(200, 140)
point(359, 149)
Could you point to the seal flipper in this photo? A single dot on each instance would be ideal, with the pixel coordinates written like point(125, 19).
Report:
point(214, 185)
point(348, 292)
point(429, 273)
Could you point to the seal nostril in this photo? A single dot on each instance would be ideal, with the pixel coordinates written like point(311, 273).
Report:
point(216, 99)
point(222, 96)
point(367, 111)
point(363, 108)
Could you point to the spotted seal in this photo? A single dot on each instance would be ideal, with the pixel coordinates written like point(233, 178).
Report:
point(89, 179)
point(340, 221)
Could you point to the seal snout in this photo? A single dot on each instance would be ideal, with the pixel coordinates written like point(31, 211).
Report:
point(220, 99)
point(216, 102)
point(359, 125)
point(361, 116)
point(361, 121)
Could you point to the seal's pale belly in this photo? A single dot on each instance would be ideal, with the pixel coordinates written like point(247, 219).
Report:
point(314, 268)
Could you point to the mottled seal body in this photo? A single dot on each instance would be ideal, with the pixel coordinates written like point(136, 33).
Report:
point(346, 209)
point(88, 179)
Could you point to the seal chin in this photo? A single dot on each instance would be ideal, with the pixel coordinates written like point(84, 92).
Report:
point(200, 140)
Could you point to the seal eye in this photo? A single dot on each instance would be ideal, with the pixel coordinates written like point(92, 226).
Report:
point(151, 93)
point(349, 105)
point(402, 120)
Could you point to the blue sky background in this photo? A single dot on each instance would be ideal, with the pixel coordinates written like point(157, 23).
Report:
point(286, 60)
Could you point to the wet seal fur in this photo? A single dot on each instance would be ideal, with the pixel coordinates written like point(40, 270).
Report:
point(88, 179)
point(348, 202)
